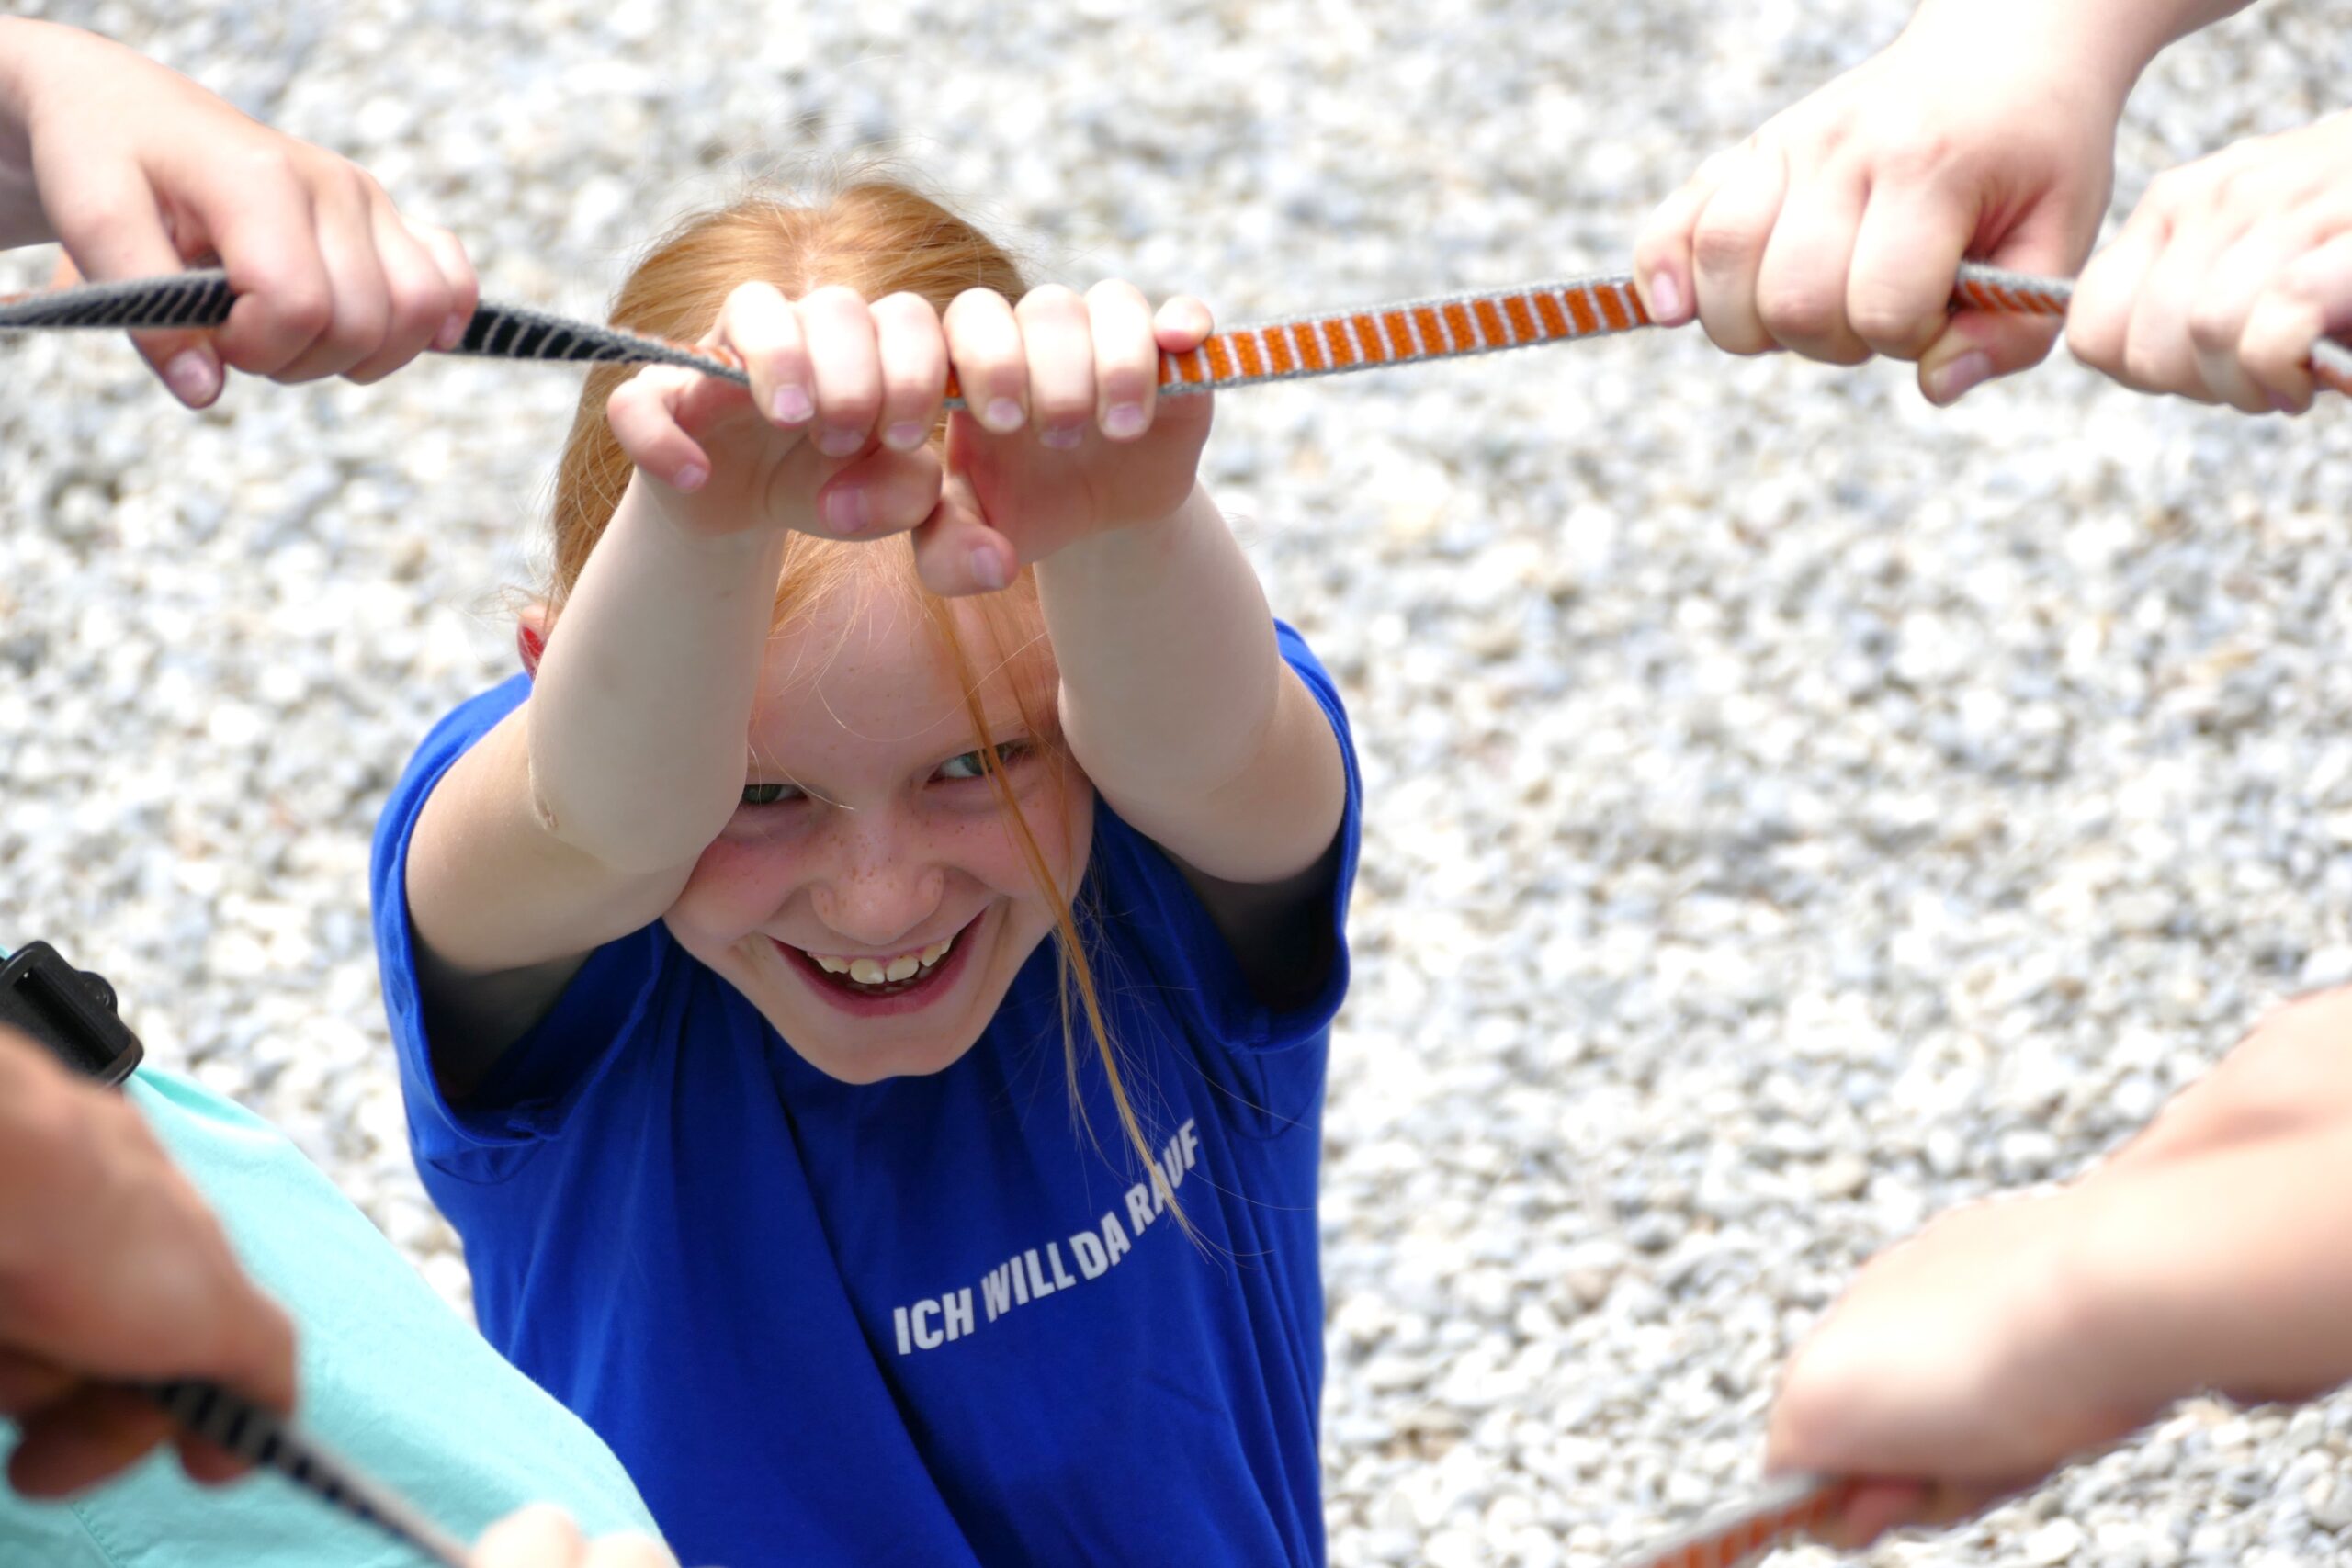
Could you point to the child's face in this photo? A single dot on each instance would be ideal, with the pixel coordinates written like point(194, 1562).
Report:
point(883, 844)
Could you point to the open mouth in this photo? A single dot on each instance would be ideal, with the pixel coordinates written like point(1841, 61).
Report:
point(867, 980)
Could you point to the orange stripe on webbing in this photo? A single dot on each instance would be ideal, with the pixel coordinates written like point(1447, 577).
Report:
point(1555, 321)
point(1460, 333)
point(1277, 349)
point(1425, 335)
point(1395, 336)
point(1309, 346)
point(1335, 338)
point(1247, 350)
point(1522, 322)
point(1490, 322)
point(1612, 307)
point(1580, 310)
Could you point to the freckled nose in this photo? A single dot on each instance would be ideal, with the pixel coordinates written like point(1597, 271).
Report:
point(875, 897)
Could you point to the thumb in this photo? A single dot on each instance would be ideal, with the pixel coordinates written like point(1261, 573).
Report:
point(957, 553)
point(113, 228)
point(1975, 345)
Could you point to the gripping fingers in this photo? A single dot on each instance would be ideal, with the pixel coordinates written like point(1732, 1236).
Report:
point(1662, 252)
point(1058, 335)
point(2311, 299)
point(359, 314)
point(847, 364)
point(1727, 248)
point(82, 1438)
point(884, 492)
point(417, 296)
point(1127, 358)
point(643, 414)
point(992, 366)
point(457, 272)
point(2218, 317)
point(764, 330)
point(1801, 286)
point(913, 349)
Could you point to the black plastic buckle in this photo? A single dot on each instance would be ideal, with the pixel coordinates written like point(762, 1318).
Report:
point(70, 1011)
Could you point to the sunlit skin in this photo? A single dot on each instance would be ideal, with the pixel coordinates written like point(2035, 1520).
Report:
point(884, 839)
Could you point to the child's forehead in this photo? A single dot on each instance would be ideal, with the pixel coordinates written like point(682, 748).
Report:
point(874, 666)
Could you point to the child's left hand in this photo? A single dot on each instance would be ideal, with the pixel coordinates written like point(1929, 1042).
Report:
point(2228, 271)
point(1064, 435)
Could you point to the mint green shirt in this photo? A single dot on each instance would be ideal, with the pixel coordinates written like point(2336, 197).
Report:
point(392, 1380)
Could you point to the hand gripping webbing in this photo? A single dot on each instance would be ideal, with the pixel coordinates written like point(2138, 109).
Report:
point(1448, 326)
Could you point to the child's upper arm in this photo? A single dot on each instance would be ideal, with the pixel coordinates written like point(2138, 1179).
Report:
point(501, 910)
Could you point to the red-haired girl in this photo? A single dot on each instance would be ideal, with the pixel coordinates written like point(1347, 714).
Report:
point(714, 945)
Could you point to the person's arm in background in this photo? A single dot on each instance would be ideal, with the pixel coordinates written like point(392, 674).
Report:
point(2212, 1253)
point(111, 1269)
point(1986, 130)
point(139, 171)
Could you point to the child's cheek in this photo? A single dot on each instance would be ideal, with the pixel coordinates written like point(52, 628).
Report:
point(737, 884)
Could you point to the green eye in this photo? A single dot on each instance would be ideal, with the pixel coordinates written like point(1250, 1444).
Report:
point(970, 765)
point(769, 793)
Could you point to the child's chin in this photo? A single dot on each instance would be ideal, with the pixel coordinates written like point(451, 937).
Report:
point(860, 1062)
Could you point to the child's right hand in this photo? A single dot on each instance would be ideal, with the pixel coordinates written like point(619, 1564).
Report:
point(1986, 129)
point(830, 439)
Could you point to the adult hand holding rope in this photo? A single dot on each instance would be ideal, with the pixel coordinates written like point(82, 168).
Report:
point(138, 171)
point(111, 1268)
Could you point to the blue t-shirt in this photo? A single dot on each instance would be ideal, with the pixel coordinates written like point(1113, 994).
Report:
point(936, 1320)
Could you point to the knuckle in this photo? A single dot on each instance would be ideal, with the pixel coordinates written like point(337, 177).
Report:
point(2215, 326)
point(1722, 246)
point(1918, 156)
point(1798, 308)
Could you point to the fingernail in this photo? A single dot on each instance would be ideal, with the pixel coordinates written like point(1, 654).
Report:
point(840, 443)
point(1062, 437)
point(1003, 416)
point(690, 478)
point(848, 509)
point(987, 568)
point(1123, 421)
point(790, 404)
point(452, 332)
point(1666, 298)
point(193, 378)
point(1949, 383)
point(904, 436)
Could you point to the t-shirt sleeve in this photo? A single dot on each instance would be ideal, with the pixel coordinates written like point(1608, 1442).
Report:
point(529, 1092)
point(1184, 953)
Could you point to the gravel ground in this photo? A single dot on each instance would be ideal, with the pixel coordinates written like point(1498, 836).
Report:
point(1792, 810)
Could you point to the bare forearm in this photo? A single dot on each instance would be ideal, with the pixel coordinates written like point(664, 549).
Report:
point(1177, 703)
point(22, 222)
point(637, 716)
point(2112, 39)
point(2228, 1270)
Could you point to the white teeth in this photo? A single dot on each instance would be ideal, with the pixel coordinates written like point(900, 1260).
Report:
point(883, 971)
